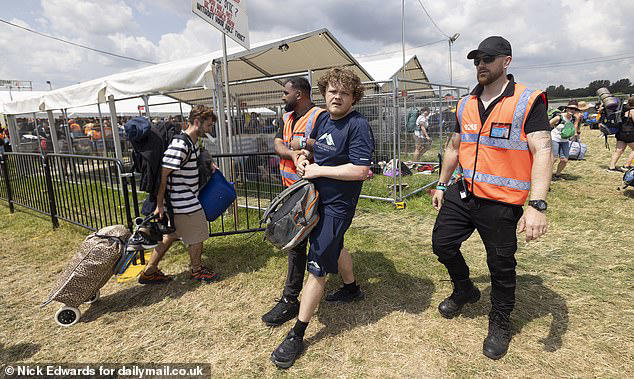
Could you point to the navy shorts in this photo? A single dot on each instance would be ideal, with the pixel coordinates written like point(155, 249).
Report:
point(326, 242)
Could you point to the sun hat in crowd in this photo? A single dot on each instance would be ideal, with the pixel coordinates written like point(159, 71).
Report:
point(582, 105)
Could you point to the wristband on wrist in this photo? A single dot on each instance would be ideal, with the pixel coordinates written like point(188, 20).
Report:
point(442, 186)
point(302, 142)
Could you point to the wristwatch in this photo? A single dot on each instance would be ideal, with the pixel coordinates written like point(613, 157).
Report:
point(540, 205)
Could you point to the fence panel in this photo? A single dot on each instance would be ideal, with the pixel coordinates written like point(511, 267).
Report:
point(3, 183)
point(27, 179)
point(256, 178)
point(89, 191)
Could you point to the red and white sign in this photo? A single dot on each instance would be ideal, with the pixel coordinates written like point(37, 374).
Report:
point(228, 16)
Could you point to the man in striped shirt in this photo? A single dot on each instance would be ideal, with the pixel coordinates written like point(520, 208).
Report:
point(180, 187)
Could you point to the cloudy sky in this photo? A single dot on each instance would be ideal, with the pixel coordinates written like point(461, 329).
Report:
point(570, 42)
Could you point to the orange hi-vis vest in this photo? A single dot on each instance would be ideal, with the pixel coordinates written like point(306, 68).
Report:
point(494, 157)
point(303, 128)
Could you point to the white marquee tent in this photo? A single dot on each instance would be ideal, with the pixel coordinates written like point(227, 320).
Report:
point(190, 80)
point(386, 69)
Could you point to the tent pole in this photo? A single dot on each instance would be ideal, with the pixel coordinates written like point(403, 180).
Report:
point(180, 105)
point(37, 133)
point(71, 150)
point(218, 103)
point(146, 101)
point(226, 74)
point(51, 127)
point(14, 135)
point(310, 80)
point(115, 128)
point(103, 135)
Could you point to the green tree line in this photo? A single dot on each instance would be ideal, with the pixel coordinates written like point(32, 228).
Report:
point(620, 86)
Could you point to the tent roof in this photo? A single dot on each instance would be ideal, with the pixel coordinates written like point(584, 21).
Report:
point(31, 98)
point(159, 106)
point(388, 68)
point(189, 79)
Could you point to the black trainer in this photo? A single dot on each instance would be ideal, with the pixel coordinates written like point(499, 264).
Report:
point(343, 295)
point(463, 292)
point(288, 351)
point(497, 342)
point(286, 309)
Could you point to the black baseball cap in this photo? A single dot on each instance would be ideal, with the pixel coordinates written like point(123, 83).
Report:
point(494, 45)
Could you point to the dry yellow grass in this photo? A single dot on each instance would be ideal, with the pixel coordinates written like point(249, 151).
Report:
point(574, 315)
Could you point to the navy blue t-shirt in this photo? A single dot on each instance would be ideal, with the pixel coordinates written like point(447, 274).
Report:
point(338, 142)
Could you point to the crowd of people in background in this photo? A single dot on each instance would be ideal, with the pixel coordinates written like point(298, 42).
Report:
point(4, 140)
point(573, 113)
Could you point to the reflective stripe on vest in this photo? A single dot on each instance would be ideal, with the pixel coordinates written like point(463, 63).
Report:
point(289, 175)
point(303, 128)
point(502, 161)
point(461, 105)
point(498, 180)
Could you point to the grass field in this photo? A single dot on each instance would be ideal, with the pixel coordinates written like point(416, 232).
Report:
point(574, 314)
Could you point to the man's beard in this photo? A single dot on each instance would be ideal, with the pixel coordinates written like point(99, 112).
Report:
point(289, 107)
point(492, 77)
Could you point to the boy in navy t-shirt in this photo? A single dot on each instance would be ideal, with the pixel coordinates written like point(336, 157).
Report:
point(343, 146)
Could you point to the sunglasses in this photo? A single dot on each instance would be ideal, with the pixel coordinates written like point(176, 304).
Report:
point(485, 58)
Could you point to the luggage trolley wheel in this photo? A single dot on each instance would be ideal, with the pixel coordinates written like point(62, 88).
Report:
point(94, 297)
point(138, 221)
point(67, 316)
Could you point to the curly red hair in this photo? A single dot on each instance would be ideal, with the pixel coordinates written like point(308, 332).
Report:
point(345, 78)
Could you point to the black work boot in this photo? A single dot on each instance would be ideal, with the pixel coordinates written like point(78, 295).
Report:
point(285, 309)
point(463, 292)
point(497, 342)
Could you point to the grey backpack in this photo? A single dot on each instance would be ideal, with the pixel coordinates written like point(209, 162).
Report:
point(291, 215)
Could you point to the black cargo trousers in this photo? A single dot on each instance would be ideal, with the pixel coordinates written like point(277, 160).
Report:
point(296, 268)
point(497, 224)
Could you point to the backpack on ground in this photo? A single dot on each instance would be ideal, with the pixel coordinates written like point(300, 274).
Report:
point(291, 215)
point(412, 115)
point(398, 169)
point(628, 178)
point(577, 150)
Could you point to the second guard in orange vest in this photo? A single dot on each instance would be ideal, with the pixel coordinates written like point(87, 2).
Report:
point(302, 115)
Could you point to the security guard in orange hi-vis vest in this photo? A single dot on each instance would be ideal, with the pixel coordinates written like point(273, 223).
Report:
point(302, 115)
point(502, 143)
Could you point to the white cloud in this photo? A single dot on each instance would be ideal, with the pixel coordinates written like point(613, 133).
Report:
point(133, 46)
point(541, 32)
point(87, 17)
point(197, 38)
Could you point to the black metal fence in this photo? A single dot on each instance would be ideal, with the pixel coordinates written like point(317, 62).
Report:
point(93, 192)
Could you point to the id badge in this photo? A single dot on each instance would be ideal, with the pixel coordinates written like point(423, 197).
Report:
point(462, 188)
point(500, 130)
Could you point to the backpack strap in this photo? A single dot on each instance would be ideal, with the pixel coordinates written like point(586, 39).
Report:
point(283, 195)
point(190, 147)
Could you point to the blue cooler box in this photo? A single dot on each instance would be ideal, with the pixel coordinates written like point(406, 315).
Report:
point(216, 196)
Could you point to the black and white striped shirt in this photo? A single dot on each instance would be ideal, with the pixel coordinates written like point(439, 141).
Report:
point(182, 184)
